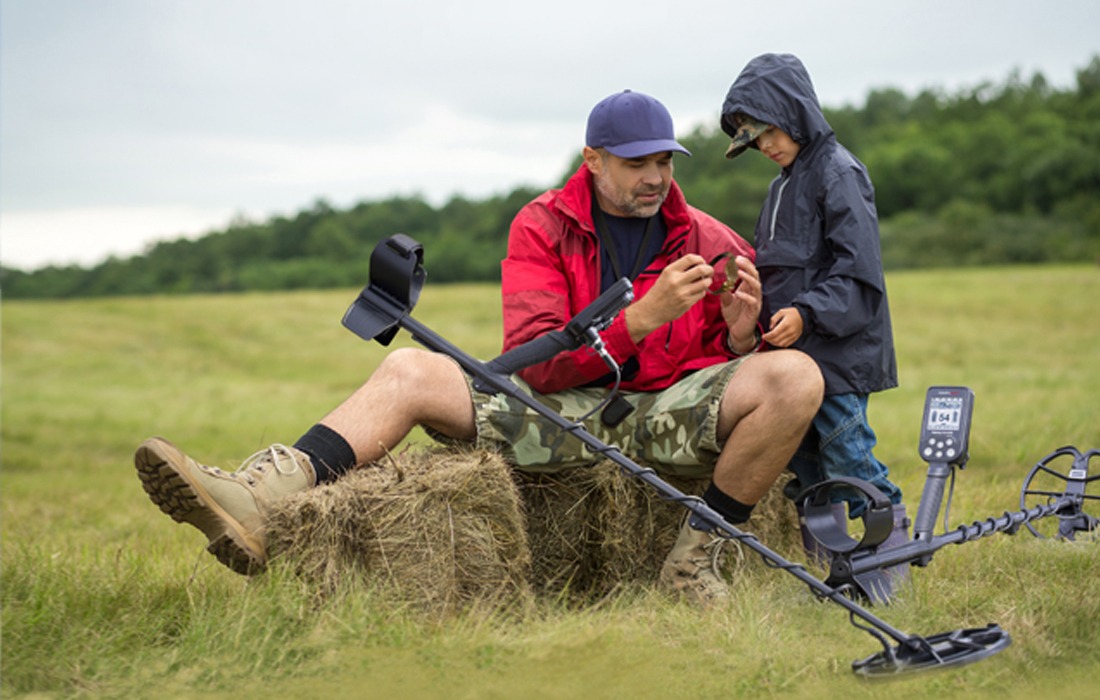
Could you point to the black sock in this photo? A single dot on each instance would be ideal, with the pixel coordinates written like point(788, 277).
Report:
point(330, 453)
point(734, 511)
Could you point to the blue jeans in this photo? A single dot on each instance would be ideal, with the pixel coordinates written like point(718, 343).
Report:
point(840, 443)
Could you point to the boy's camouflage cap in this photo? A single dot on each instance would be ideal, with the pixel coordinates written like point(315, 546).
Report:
point(747, 131)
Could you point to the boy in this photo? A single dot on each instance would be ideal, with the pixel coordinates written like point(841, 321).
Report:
point(820, 265)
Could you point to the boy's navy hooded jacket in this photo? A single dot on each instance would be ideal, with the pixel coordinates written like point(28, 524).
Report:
point(817, 238)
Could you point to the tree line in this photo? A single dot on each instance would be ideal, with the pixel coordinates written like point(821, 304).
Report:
point(999, 173)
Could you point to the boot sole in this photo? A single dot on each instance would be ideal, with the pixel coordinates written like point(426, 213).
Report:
point(163, 474)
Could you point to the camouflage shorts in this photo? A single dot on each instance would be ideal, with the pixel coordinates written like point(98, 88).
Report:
point(675, 431)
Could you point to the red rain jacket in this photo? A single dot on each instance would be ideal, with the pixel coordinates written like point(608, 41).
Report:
point(552, 271)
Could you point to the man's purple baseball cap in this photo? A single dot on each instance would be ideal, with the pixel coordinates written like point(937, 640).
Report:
point(631, 125)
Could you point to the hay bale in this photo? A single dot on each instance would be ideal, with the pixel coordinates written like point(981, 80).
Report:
point(441, 528)
point(592, 529)
point(444, 527)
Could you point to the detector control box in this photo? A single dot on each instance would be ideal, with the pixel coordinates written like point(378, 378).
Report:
point(945, 426)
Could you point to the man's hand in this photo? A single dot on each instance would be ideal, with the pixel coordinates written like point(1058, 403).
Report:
point(785, 329)
point(741, 306)
point(682, 283)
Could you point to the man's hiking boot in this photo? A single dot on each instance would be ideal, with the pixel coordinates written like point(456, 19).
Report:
point(229, 507)
point(692, 567)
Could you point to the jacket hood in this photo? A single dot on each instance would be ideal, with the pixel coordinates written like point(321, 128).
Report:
point(776, 89)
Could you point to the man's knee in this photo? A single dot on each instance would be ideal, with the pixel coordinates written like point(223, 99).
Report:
point(415, 366)
point(802, 374)
point(791, 377)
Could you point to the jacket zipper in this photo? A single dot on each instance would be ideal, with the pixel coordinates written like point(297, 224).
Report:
point(778, 200)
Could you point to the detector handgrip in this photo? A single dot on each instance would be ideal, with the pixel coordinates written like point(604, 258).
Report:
point(582, 329)
point(935, 483)
point(541, 349)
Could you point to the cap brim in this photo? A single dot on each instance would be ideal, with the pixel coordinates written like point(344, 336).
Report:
point(748, 130)
point(640, 149)
point(735, 149)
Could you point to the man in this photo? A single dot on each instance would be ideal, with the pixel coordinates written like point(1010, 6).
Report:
point(698, 403)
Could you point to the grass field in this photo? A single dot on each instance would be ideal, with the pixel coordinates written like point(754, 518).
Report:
point(104, 596)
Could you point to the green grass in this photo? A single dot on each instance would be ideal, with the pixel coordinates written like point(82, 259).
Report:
point(103, 596)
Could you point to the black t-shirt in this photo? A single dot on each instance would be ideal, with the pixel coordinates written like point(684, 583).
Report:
point(627, 235)
point(627, 246)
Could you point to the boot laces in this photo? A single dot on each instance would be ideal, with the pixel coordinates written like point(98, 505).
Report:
point(272, 455)
point(713, 549)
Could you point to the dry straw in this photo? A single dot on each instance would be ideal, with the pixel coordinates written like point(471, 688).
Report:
point(445, 528)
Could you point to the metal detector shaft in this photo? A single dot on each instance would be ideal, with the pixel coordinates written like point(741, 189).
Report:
point(425, 336)
point(920, 551)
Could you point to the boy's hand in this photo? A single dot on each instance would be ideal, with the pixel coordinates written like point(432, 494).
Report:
point(786, 327)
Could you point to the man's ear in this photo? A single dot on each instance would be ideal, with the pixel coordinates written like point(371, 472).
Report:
point(593, 160)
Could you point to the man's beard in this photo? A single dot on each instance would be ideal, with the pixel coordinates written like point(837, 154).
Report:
point(628, 203)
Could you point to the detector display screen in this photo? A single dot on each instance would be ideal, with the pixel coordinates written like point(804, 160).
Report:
point(945, 414)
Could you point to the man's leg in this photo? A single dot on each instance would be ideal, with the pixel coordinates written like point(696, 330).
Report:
point(765, 411)
point(410, 387)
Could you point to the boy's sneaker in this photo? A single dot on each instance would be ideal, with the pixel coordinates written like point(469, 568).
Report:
point(229, 507)
point(692, 567)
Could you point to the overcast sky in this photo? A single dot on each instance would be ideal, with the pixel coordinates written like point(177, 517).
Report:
point(128, 121)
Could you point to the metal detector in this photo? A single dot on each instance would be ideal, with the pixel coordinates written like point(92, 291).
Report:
point(383, 307)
